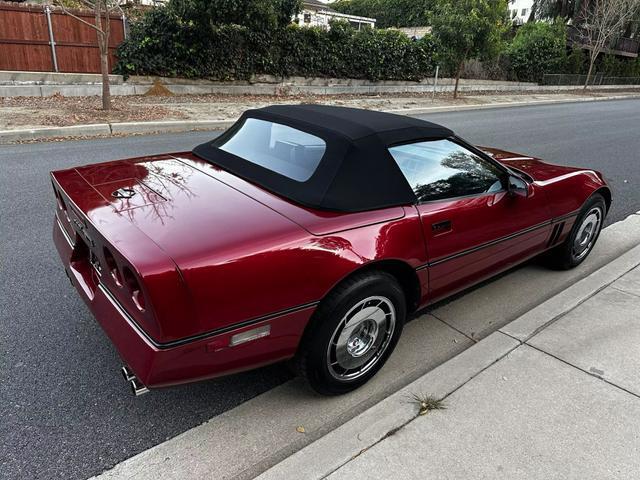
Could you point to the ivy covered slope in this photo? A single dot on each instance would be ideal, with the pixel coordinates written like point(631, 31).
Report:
point(191, 39)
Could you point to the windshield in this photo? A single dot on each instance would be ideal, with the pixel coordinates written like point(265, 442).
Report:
point(279, 148)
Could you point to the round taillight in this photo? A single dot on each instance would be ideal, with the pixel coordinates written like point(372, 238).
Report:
point(112, 267)
point(134, 288)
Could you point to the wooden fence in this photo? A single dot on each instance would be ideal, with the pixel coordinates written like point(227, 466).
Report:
point(25, 40)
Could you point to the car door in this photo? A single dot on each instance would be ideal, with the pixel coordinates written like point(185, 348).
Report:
point(473, 226)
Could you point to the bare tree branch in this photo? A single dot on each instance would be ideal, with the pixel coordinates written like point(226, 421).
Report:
point(602, 22)
point(67, 12)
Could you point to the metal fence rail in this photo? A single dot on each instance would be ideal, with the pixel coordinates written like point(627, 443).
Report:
point(596, 79)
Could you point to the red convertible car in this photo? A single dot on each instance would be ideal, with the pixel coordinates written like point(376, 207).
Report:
point(305, 232)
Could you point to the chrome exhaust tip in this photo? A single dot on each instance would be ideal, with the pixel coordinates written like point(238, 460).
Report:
point(127, 373)
point(138, 388)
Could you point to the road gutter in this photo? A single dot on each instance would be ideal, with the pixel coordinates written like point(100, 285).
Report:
point(173, 126)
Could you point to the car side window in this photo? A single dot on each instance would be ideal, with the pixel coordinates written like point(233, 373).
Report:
point(441, 169)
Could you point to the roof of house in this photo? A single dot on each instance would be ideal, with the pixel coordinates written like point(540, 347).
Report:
point(317, 4)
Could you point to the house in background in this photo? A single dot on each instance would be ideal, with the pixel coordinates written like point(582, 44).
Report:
point(415, 33)
point(316, 13)
point(520, 10)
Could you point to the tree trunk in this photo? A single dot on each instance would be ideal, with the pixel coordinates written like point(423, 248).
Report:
point(591, 63)
point(102, 34)
point(458, 73)
point(104, 68)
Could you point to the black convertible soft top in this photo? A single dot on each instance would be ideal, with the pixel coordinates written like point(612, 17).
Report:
point(356, 172)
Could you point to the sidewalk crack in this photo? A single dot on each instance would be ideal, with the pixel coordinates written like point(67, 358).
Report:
point(591, 374)
point(624, 291)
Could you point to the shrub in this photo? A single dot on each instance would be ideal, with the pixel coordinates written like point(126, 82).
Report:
point(576, 61)
point(538, 48)
point(494, 69)
point(159, 44)
point(162, 43)
point(612, 66)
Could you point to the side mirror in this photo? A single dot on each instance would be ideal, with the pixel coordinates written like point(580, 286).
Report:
point(517, 186)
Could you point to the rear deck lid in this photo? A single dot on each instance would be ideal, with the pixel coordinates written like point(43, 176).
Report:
point(186, 212)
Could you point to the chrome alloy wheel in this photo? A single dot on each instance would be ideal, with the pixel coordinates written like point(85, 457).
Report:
point(587, 233)
point(361, 337)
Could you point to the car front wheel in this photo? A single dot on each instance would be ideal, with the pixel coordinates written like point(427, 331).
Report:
point(583, 235)
point(352, 334)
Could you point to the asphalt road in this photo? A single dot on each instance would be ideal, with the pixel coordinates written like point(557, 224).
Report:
point(66, 412)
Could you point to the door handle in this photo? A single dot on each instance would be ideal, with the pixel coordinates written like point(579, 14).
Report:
point(441, 227)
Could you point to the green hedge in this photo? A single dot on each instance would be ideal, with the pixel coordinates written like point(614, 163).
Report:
point(162, 44)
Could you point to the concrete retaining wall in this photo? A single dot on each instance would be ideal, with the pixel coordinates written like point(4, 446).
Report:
point(260, 89)
point(49, 78)
point(44, 84)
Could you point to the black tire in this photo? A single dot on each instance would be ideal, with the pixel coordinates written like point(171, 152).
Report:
point(336, 317)
point(564, 256)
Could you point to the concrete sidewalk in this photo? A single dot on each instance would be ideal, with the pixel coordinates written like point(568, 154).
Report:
point(554, 394)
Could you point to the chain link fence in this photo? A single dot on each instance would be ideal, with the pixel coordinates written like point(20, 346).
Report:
point(596, 79)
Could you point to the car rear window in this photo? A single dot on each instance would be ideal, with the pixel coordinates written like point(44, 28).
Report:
point(279, 148)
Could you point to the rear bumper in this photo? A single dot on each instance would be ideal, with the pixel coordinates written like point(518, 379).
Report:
point(157, 365)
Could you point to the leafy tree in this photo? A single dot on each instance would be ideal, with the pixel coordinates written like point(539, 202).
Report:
point(538, 48)
point(389, 13)
point(466, 29)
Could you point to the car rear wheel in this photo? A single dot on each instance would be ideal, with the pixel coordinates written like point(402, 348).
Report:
point(583, 236)
point(352, 333)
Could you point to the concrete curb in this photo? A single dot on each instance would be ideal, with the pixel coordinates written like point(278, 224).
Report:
point(168, 126)
point(108, 129)
point(330, 452)
point(7, 136)
point(460, 108)
point(132, 128)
